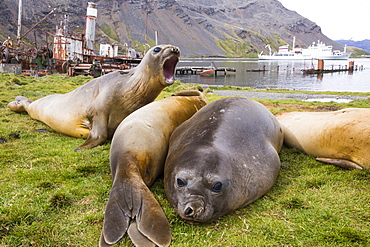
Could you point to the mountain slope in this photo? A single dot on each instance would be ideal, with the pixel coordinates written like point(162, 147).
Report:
point(198, 27)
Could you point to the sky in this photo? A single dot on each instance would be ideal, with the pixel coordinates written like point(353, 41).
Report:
point(338, 19)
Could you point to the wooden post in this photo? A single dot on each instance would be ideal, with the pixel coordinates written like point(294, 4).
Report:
point(320, 65)
point(351, 65)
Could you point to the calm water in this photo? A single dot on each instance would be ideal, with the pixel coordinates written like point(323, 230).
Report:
point(283, 75)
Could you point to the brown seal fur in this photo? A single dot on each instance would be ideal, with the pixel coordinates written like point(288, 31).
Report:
point(340, 138)
point(222, 158)
point(138, 151)
point(94, 110)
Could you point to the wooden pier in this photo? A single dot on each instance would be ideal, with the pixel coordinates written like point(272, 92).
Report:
point(320, 69)
point(198, 70)
point(332, 70)
point(258, 70)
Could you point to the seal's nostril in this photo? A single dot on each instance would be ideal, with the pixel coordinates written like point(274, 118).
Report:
point(175, 50)
point(189, 211)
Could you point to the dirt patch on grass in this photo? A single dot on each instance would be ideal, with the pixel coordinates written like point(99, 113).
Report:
point(307, 108)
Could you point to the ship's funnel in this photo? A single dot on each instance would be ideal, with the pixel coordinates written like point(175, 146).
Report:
point(92, 13)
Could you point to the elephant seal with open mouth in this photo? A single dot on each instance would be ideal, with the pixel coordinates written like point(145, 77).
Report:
point(94, 110)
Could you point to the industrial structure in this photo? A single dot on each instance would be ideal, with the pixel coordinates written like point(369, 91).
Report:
point(68, 53)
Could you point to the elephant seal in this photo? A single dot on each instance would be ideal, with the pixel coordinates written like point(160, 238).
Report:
point(138, 152)
point(341, 138)
point(222, 158)
point(94, 110)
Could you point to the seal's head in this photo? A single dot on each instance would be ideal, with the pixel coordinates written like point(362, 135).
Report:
point(163, 60)
point(200, 195)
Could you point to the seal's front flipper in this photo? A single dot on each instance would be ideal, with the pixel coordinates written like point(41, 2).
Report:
point(341, 163)
point(132, 206)
point(98, 134)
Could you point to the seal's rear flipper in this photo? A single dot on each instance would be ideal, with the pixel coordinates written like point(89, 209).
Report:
point(341, 163)
point(137, 238)
point(102, 241)
point(116, 223)
point(132, 207)
point(20, 104)
point(151, 222)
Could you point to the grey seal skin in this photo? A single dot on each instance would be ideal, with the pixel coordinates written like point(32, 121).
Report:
point(138, 152)
point(94, 110)
point(340, 138)
point(223, 158)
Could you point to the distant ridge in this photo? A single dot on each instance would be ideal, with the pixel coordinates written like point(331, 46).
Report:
point(363, 44)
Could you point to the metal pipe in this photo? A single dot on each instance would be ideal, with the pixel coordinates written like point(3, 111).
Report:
point(91, 15)
point(19, 21)
point(38, 23)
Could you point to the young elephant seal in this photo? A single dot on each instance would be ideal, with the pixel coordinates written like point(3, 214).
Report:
point(221, 159)
point(137, 156)
point(341, 138)
point(94, 110)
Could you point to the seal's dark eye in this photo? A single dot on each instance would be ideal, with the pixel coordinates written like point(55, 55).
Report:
point(181, 182)
point(216, 187)
point(157, 49)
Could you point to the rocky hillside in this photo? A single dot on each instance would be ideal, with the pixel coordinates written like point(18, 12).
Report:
point(198, 27)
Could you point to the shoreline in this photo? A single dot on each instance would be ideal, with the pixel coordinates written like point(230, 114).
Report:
point(286, 96)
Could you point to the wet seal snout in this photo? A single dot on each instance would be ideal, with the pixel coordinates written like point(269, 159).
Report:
point(175, 50)
point(193, 209)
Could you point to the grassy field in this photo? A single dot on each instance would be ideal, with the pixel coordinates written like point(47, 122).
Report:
point(51, 195)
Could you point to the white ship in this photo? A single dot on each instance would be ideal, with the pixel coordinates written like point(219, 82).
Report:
point(315, 51)
point(325, 52)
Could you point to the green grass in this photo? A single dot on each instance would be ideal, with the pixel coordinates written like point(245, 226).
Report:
point(109, 31)
point(53, 196)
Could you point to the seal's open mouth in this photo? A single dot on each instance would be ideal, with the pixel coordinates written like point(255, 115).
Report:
point(169, 69)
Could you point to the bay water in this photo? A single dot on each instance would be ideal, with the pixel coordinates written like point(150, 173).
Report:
point(282, 74)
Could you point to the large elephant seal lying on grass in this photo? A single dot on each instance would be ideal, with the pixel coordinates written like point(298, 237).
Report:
point(138, 152)
point(340, 138)
point(94, 110)
point(221, 159)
